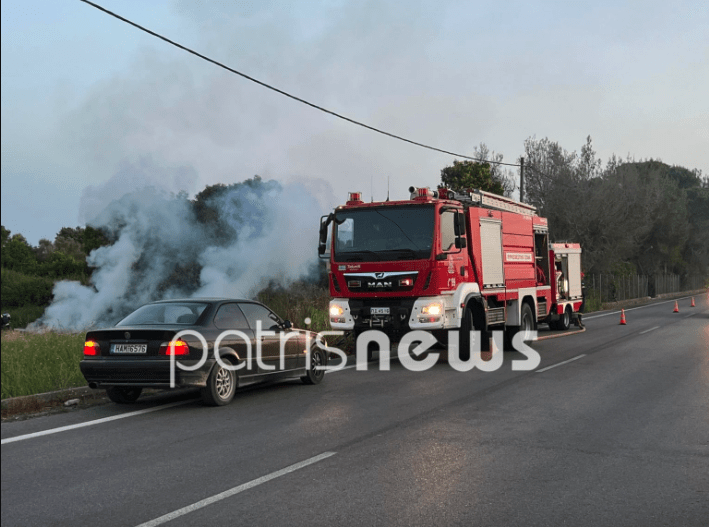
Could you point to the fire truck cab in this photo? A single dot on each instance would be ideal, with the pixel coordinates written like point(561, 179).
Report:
point(447, 260)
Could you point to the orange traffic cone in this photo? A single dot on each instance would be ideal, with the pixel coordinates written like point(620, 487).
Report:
point(692, 303)
point(676, 310)
point(622, 317)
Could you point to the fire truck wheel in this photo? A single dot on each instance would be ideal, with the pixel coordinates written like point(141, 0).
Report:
point(526, 319)
point(565, 321)
point(468, 325)
point(527, 324)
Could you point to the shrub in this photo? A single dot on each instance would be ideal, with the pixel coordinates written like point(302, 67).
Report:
point(20, 290)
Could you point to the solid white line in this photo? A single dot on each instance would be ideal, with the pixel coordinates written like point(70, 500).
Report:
point(236, 490)
point(560, 363)
point(649, 330)
point(690, 315)
point(91, 423)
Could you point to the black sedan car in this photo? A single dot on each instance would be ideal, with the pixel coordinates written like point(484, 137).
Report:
point(171, 344)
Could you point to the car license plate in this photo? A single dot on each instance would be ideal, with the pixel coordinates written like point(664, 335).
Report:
point(129, 348)
point(380, 311)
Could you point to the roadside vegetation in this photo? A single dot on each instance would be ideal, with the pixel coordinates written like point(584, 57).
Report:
point(40, 362)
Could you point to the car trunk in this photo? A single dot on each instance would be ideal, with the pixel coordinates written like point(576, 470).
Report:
point(131, 342)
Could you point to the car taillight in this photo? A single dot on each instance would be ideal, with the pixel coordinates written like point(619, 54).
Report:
point(181, 348)
point(91, 347)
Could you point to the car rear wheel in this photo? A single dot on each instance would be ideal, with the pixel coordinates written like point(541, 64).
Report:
point(123, 394)
point(314, 375)
point(221, 385)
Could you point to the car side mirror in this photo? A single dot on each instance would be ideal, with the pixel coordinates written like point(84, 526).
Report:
point(287, 324)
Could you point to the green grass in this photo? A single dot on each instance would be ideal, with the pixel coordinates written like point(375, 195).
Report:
point(40, 362)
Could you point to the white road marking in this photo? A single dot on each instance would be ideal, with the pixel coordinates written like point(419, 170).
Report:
point(112, 418)
point(560, 363)
point(649, 330)
point(345, 368)
point(633, 308)
point(92, 423)
point(690, 315)
point(236, 490)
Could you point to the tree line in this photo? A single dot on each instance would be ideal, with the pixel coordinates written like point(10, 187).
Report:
point(631, 217)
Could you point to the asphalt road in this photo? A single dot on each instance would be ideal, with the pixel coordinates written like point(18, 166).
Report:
point(612, 428)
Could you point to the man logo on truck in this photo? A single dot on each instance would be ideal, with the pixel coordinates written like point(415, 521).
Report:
point(378, 284)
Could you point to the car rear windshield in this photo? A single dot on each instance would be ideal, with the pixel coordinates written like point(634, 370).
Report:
point(173, 313)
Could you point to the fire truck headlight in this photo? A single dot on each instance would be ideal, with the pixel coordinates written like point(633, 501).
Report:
point(433, 308)
point(335, 310)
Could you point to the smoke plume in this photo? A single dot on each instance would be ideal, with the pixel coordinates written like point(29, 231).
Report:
point(240, 238)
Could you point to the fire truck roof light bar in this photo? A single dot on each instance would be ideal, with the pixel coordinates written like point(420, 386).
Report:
point(422, 193)
point(354, 197)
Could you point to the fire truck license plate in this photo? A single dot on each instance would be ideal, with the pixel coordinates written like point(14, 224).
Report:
point(380, 311)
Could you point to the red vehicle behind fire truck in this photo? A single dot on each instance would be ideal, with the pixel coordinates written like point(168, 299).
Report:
point(448, 260)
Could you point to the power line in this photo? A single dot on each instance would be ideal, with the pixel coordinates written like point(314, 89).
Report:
point(339, 116)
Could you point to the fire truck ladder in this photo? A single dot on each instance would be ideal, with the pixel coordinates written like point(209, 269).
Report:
point(480, 198)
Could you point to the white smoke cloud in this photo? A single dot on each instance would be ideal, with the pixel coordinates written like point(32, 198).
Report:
point(268, 233)
point(279, 246)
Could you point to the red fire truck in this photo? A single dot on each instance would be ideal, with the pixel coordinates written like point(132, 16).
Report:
point(447, 260)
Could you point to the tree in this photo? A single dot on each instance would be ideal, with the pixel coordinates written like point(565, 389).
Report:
point(469, 174)
point(17, 254)
point(44, 249)
point(498, 173)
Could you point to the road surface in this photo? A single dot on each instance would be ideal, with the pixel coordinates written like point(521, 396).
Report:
point(612, 428)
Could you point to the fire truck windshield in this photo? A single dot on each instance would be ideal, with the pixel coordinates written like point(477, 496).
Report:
point(384, 233)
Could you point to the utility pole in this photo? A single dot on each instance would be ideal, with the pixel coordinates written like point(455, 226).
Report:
point(521, 179)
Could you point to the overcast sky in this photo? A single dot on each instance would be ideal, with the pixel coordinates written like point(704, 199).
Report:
point(87, 98)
